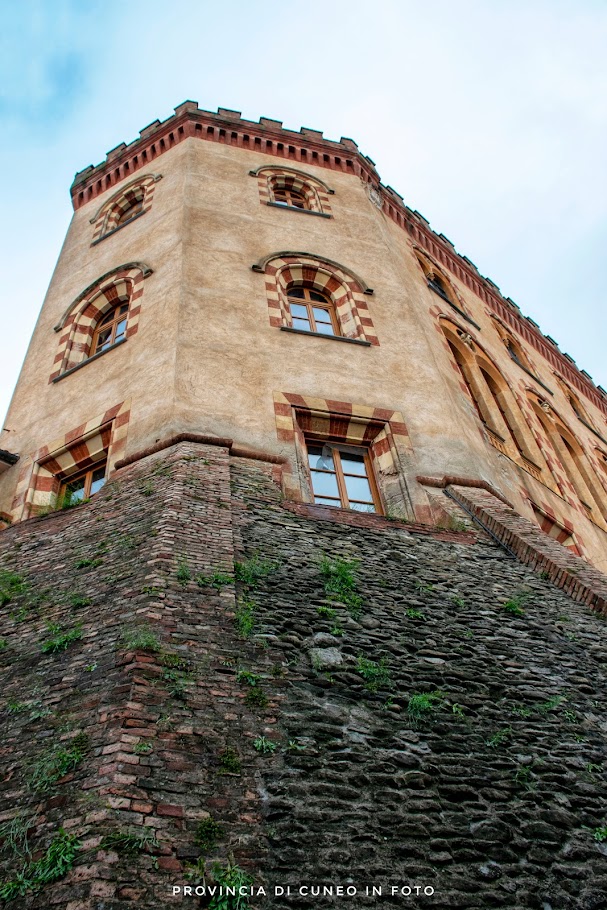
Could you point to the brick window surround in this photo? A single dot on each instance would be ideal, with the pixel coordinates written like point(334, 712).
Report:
point(562, 533)
point(137, 194)
point(315, 192)
point(76, 327)
point(103, 438)
point(570, 464)
point(503, 423)
point(381, 432)
point(343, 288)
point(440, 284)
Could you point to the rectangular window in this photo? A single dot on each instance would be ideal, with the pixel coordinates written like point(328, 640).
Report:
point(342, 477)
point(311, 311)
point(82, 486)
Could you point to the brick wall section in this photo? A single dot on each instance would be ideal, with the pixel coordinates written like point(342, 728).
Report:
point(539, 551)
point(492, 798)
point(167, 514)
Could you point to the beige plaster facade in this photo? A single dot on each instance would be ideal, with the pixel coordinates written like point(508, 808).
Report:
point(437, 374)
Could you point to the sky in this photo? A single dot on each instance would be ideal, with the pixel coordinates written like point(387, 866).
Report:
point(488, 116)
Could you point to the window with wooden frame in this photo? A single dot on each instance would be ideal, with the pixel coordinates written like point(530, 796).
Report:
point(110, 329)
point(83, 485)
point(312, 311)
point(342, 477)
point(284, 195)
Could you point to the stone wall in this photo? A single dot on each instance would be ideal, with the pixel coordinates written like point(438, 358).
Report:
point(436, 724)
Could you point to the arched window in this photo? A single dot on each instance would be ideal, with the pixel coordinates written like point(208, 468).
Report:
point(440, 285)
point(125, 209)
point(312, 311)
point(516, 353)
point(495, 404)
point(465, 374)
point(437, 284)
point(576, 405)
point(110, 329)
point(574, 462)
point(284, 195)
point(293, 189)
point(134, 207)
point(101, 317)
point(501, 404)
point(131, 201)
point(317, 296)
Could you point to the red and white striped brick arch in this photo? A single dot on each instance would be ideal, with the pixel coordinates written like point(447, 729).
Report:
point(102, 438)
point(77, 326)
point(285, 271)
point(273, 177)
point(107, 217)
point(560, 530)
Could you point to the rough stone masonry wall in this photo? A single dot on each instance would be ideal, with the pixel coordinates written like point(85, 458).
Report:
point(492, 796)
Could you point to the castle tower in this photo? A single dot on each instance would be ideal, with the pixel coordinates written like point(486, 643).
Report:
point(294, 422)
point(172, 310)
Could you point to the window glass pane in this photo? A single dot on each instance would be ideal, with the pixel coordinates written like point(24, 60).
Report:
point(298, 203)
point(97, 480)
point(124, 308)
point(120, 329)
point(74, 491)
point(321, 315)
point(103, 339)
point(295, 292)
point(353, 464)
point(302, 324)
point(108, 317)
point(324, 484)
point(362, 506)
point(324, 328)
point(321, 458)
point(298, 309)
point(324, 501)
point(358, 489)
point(314, 295)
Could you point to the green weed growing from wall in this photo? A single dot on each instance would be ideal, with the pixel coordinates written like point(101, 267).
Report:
point(140, 639)
point(60, 640)
point(422, 704)
point(235, 879)
point(11, 585)
point(56, 762)
point(339, 579)
point(375, 673)
point(252, 571)
point(53, 865)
